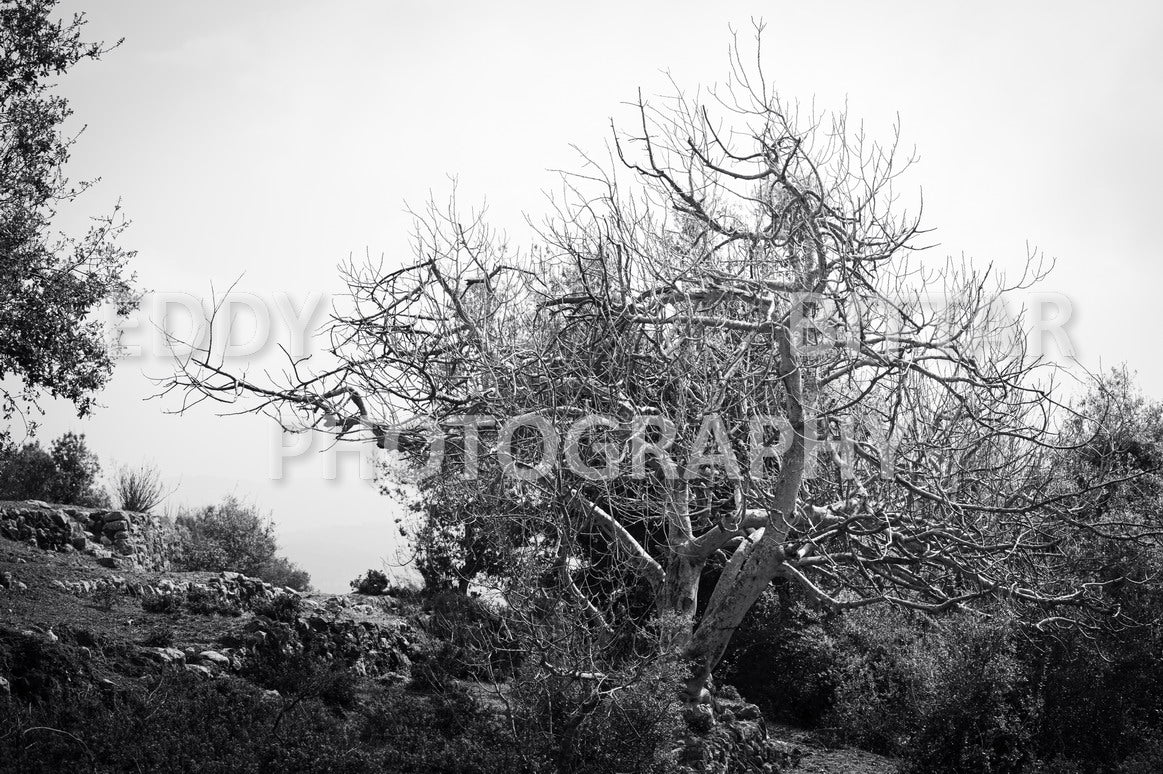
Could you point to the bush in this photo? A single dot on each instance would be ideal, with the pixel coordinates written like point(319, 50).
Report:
point(282, 607)
point(284, 573)
point(106, 596)
point(783, 659)
point(139, 489)
point(164, 603)
point(475, 642)
point(67, 473)
point(981, 718)
point(235, 537)
point(627, 722)
point(373, 583)
point(206, 602)
point(160, 637)
point(884, 677)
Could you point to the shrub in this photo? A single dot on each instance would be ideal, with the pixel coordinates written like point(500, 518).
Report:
point(373, 583)
point(885, 676)
point(282, 572)
point(475, 642)
point(230, 536)
point(784, 659)
point(164, 603)
point(627, 721)
point(206, 602)
point(67, 473)
point(981, 718)
point(236, 537)
point(282, 607)
point(160, 637)
point(106, 596)
point(139, 489)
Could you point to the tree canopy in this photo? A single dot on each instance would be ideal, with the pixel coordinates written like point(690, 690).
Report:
point(51, 284)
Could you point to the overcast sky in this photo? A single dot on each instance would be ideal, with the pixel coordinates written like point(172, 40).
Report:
point(275, 139)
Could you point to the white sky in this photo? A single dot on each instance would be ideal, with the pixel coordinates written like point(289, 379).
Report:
point(277, 138)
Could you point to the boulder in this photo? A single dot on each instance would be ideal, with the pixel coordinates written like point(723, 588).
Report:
point(165, 655)
point(214, 657)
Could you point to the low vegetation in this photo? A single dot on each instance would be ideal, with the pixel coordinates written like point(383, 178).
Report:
point(238, 537)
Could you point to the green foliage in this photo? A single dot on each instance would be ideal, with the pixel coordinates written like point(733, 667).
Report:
point(236, 537)
point(50, 284)
point(67, 473)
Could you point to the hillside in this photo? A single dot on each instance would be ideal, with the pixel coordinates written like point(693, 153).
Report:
point(89, 625)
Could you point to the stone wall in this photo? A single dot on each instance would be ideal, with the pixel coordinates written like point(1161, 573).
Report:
point(141, 539)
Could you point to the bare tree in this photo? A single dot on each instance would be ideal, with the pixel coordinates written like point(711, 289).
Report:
point(740, 272)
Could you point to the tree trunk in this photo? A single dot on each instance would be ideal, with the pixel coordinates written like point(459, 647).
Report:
point(718, 624)
point(757, 560)
point(679, 597)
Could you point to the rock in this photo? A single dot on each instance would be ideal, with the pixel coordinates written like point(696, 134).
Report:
point(114, 516)
point(59, 585)
point(748, 712)
point(165, 655)
point(214, 657)
point(108, 561)
point(700, 718)
point(5, 686)
point(199, 670)
point(19, 586)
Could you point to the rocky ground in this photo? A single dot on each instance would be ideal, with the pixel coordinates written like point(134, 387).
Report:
point(139, 622)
